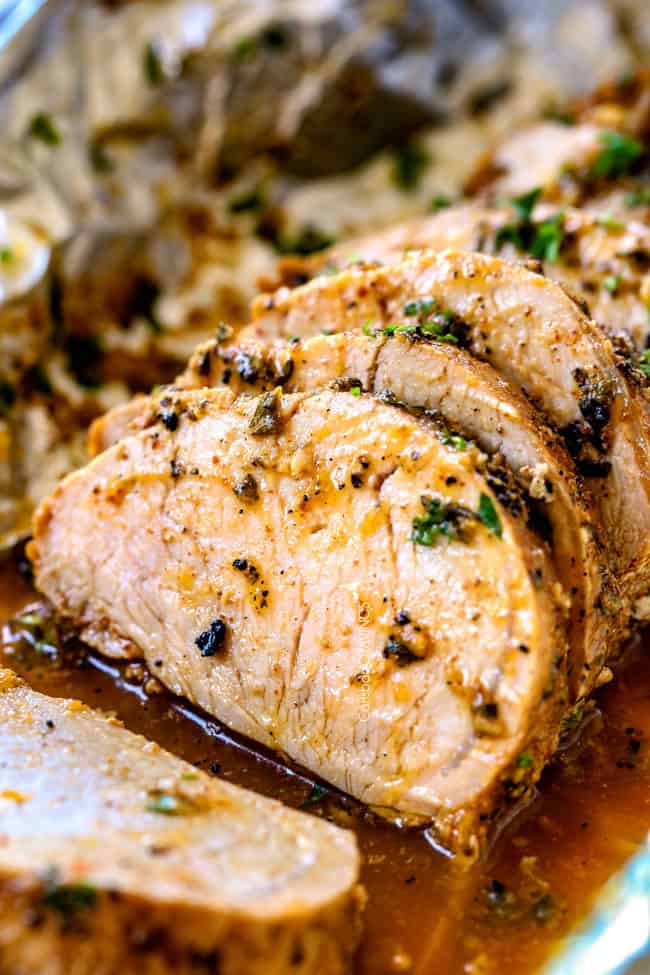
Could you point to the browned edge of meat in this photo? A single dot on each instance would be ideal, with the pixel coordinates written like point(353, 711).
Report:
point(334, 558)
point(535, 336)
point(117, 858)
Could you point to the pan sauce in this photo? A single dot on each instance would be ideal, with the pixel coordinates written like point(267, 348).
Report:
point(425, 916)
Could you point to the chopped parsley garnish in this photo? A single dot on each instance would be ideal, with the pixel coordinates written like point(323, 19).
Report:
point(609, 221)
point(454, 440)
point(153, 67)
point(409, 165)
point(612, 283)
point(43, 128)
point(318, 792)
point(548, 239)
point(432, 322)
point(638, 198)
point(449, 520)
point(6, 255)
point(168, 804)
point(543, 240)
point(440, 520)
point(524, 760)
point(355, 390)
point(367, 329)
point(244, 48)
point(440, 202)
point(487, 515)
point(420, 307)
point(617, 156)
point(525, 204)
point(67, 900)
point(245, 202)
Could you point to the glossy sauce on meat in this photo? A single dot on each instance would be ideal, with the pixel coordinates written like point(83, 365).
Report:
point(425, 916)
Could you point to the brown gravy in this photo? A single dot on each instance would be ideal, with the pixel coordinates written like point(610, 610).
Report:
point(426, 916)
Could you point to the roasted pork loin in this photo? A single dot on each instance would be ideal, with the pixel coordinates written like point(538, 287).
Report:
point(328, 576)
point(474, 404)
point(536, 337)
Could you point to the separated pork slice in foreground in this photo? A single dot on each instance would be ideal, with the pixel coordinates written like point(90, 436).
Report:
point(326, 576)
point(473, 402)
point(117, 858)
point(535, 336)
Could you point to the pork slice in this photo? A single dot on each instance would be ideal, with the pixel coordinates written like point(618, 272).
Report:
point(328, 577)
point(603, 259)
point(471, 399)
point(117, 858)
point(535, 336)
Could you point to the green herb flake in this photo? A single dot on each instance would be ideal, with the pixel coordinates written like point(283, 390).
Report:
point(409, 165)
point(548, 239)
point(524, 760)
point(244, 48)
point(356, 390)
point(612, 283)
point(619, 152)
point(318, 792)
point(609, 222)
point(525, 204)
point(454, 440)
point(440, 202)
point(419, 307)
point(367, 329)
point(168, 804)
point(152, 65)
point(42, 127)
point(638, 198)
point(440, 520)
point(246, 202)
point(67, 900)
point(6, 255)
point(487, 515)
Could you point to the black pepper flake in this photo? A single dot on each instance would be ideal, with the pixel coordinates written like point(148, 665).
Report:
point(240, 564)
point(204, 364)
point(402, 618)
point(211, 640)
point(169, 419)
point(356, 480)
point(176, 469)
point(400, 652)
